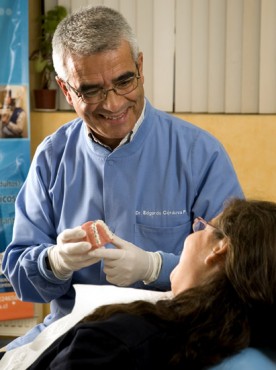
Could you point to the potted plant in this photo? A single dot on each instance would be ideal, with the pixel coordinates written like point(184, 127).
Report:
point(45, 96)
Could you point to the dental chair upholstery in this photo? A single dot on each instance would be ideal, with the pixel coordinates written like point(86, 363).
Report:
point(249, 359)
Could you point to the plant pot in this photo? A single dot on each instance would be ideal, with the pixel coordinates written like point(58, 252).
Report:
point(45, 99)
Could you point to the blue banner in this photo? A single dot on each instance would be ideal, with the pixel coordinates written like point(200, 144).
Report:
point(14, 42)
point(14, 114)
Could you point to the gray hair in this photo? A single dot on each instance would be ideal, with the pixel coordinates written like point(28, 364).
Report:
point(90, 30)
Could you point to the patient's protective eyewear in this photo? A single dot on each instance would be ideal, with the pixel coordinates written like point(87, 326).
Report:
point(201, 224)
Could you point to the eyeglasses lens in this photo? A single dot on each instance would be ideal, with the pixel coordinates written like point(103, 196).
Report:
point(199, 225)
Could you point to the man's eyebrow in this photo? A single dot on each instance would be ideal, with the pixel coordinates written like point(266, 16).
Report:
point(86, 87)
point(124, 76)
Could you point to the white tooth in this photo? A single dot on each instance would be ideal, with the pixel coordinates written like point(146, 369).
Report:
point(113, 118)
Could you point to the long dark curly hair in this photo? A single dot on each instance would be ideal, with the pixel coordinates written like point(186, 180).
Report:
point(233, 310)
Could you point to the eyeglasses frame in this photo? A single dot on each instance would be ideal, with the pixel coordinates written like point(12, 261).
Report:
point(205, 223)
point(104, 91)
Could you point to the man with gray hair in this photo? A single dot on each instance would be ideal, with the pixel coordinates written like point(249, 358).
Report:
point(144, 172)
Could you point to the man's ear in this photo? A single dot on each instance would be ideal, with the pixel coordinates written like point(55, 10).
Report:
point(140, 65)
point(218, 253)
point(64, 89)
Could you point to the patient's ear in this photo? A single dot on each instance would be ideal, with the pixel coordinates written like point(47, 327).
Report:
point(218, 253)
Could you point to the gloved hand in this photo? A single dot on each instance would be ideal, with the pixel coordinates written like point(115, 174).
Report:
point(126, 264)
point(71, 253)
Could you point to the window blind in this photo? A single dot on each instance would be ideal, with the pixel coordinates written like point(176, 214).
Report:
point(203, 56)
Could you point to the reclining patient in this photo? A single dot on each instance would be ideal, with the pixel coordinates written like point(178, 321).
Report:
point(222, 301)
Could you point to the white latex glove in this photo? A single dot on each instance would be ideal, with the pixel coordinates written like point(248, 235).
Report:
point(71, 253)
point(126, 264)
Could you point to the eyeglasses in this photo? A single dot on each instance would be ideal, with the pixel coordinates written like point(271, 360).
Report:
point(120, 88)
point(201, 224)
